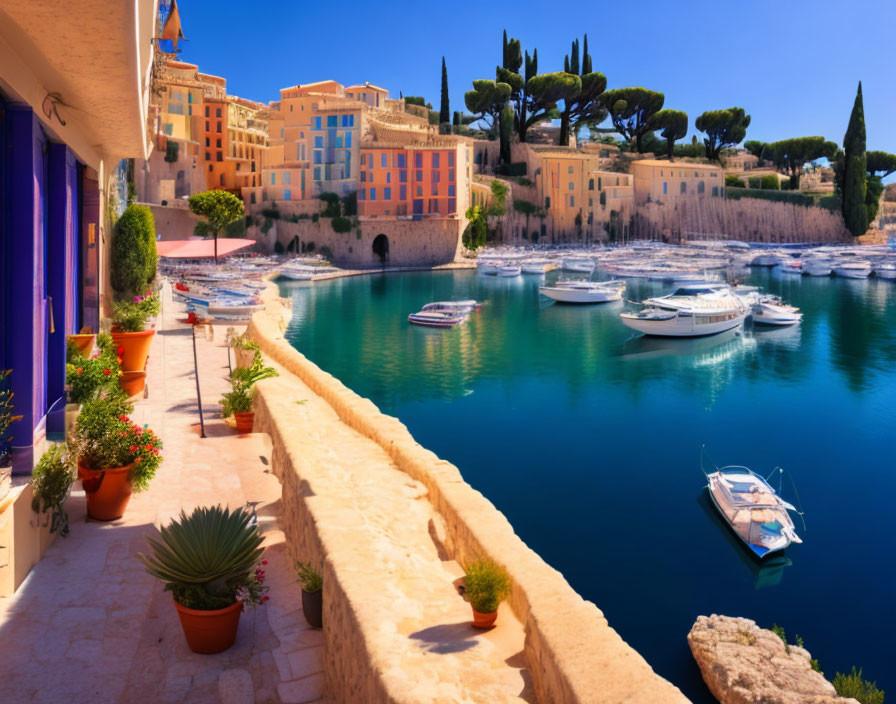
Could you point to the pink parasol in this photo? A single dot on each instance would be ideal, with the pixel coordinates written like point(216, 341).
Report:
point(199, 248)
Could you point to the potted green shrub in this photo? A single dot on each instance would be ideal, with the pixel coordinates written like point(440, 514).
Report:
point(485, 585)
point(115, 456)
point(132, 340)
point(209, 561)
point(312, 594)
point(51, 481)
point(88, 376)
point(238, 401)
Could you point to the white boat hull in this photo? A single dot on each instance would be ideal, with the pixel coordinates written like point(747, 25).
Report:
point(885, 273)
point(850, 272)
point(574, 295)
point(817, 269)
point(683, 324)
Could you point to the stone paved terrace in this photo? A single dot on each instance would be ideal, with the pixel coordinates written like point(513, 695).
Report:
point(89, 625)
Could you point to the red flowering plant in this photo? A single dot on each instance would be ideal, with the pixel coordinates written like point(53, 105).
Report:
point(87, 378)
point(105, 437)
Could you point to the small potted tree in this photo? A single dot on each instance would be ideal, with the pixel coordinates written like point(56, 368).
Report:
point(132, 341)
point(312, 594)
point(115, 456)
point(238, 403)
point(209, 562)
point(485, 585)
point(51, 481)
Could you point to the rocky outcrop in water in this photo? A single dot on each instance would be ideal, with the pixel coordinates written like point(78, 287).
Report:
point(742, 663)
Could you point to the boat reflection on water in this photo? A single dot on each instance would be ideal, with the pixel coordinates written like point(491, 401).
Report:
point(765, 573)
point(789, 337)
point(708, 350)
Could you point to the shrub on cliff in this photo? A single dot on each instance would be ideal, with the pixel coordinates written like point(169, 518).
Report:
point(852, 685)
point(341, 225)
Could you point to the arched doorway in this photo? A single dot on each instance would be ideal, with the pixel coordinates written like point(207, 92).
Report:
point(381, 248)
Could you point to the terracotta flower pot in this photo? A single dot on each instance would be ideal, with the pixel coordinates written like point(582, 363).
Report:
point(135, 349)
point(83, 343)
point(244, 422)
point(132, 383)
point(108, 491)
point(210, 631)
point(313, 607)
point(484, 620)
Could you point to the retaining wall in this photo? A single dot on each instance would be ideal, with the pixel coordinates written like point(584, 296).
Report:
point(573, 655)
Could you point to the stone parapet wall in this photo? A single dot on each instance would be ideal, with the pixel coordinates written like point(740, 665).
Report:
point(573, 655)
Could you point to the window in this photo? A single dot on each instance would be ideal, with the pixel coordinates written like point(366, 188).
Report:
point(348, 139)
point(362, 194)
point(318, 142)
point(207, 128)
point(317, 123)
point(591, 202)
point(701, 187)
point(287, 194)
point(206, 114)
point(452, 205)
point(590, 184)
point(331, 120)
point(273, 178)
point(684, 186)
point(419, 175)
point(435, 160)
point(317, 173)
point(418, 160)
point(388, 177)
point(715, 190)
point(450, 158)
point(403, 192)
point(451, 190)
point(208, 142)
point(570, 168)
point(451, 175)
point(220, 157)
point(252, 197)
point(403, 176)
point(387, 194)
point(210, 167)
point(218, 128)
point(400, 161)
point(384, 160)
point(318, 157)
point(572, 202)
point(363, 177)
point(372, 194)
point(547, 202)
point(217, 112)
point(435, 177)
point(284, 177)
point(219, 143)
point(419, 190)
point(665, 188)
point(571, 186)
point(222, 179)
point(434, 189)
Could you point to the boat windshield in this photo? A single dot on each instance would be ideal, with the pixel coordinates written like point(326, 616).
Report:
point(695, 290)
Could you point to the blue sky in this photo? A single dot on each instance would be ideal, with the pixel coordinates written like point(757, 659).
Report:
point(792, 64)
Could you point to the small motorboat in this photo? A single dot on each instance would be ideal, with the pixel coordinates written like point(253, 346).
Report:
point(753, 510)
point(489, 267)
point(766, 260)
point(463, 307)
point(584, 291)
point(579, 265)
point(436, 318)
point(509, 270)
point(771, 310)
point(885, 271)
point(536, 267)
point(790, 266)
point(817, 267)
point(853, 270)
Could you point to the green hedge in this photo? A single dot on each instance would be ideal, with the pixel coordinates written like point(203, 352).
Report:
point(133, 253)
point(770, 182)
point(733, 181)
point(517, 168)
point(831, 203)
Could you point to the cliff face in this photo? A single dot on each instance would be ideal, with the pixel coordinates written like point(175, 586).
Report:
point(743, 664)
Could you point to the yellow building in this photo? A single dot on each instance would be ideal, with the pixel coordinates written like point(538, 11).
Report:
point(658, 181)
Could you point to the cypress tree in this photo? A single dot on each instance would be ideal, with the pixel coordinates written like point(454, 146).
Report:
point(855, 213)
point(504, 51)
point(566, 64)
point(574, 58)
point(586, 58)
point(444, 112)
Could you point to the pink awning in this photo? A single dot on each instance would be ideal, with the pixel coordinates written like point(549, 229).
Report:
point(199, 248)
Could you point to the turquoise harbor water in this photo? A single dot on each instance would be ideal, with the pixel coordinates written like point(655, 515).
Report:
point(588, 439)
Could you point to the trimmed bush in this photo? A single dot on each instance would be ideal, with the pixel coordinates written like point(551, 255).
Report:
point(755, 182)
point(770, 182)
point(831, 203)
point(134, 256)
point(732, 181)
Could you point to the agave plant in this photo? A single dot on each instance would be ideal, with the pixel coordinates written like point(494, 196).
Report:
point(207, 557)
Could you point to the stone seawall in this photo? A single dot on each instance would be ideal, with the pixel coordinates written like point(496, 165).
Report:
point(571, 653)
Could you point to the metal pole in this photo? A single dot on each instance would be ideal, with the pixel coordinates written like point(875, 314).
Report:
point(230, 368)
point(198, 395)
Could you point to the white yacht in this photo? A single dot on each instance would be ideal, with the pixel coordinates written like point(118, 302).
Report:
point(859, 269)
point(690, 311)
point(817, 267)
point(584, 291)
point(770, 310)
point(537, 267)
point(508, 270)
point(885, 271)
point(436, 318)
point(756, 514)
point(489, 267)
point(462, 307)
